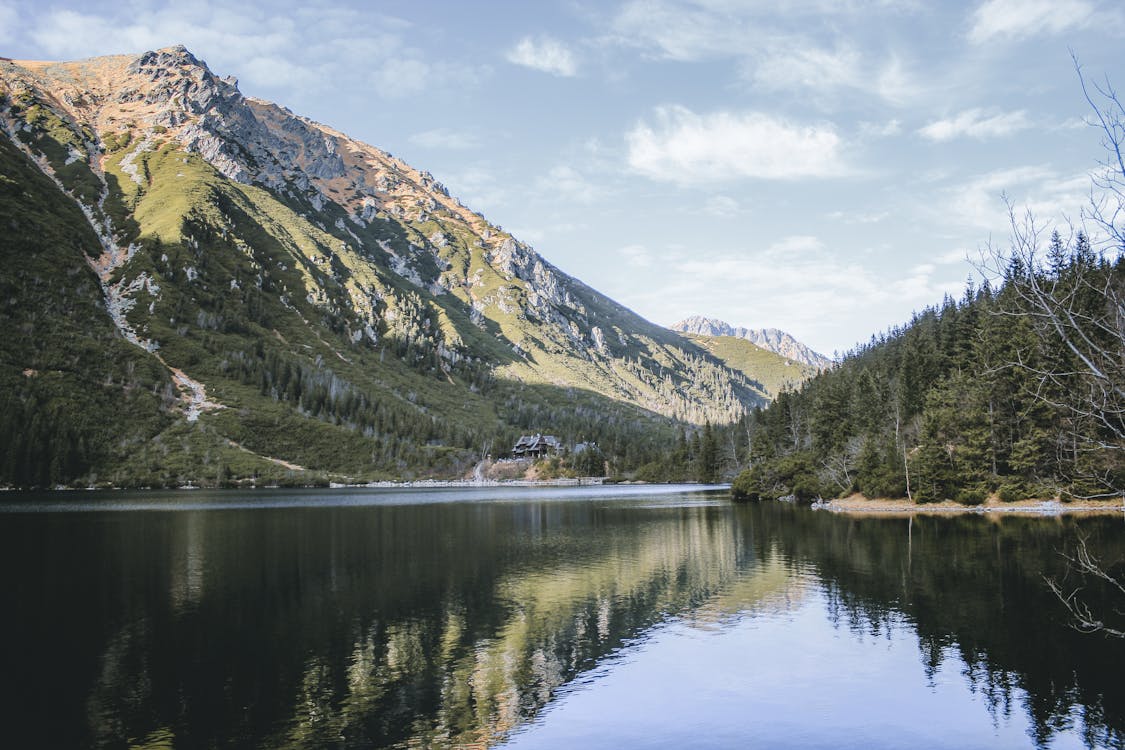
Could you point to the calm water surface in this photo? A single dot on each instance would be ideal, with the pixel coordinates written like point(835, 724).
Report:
point(539, 618)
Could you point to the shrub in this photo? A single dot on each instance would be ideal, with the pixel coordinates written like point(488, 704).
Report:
point(745, 487)
point(971, 496)
point(1013, 490)
point(883, 482)
point(805, 487)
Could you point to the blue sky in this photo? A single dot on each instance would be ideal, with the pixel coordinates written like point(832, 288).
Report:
point(822, 166)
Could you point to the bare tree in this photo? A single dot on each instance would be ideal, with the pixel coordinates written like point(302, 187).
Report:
point(1081, 313)
point(1087, 567)
point(1107, 196)
point(1078, 308)
point(838, 465)
point(1076, 301)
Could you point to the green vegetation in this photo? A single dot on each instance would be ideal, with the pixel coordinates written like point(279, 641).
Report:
point(975, 397)
point(354, 327)
point(697, 458)
point(267, 310)
point(590, 461)
point(770, 373)
point(74, 396)
point(63, 144)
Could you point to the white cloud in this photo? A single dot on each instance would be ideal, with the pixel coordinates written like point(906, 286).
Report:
point(9, 21)
point(1072, 123)
point(975, 123)
point(783, 64)
point(688, 30)
point(684, 31)
point(70, 34)
point(531, 235)
point(810, 67)
point(444, 138)
point(978, 202)
point(895, 83)
point(722, 206)
point(539, 234)
point(881, 129)
point(568, 183)
point(478, 187)
point(1020, 19)
point(544, 54)
point(1050, 196)
point(801, 285)
point(794, 245)
point(852, 217)
point(402, 77)
point(278, 70)
point(688, 148)
point(308, 49)
point(636, 255)
point(761, 36)
point(954, 257)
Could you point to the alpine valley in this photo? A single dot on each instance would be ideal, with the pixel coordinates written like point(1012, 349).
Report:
point(201, 287)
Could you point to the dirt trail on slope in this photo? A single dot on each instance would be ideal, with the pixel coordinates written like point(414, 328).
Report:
point(272, 460)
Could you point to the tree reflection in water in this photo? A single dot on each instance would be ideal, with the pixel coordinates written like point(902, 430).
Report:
point(439, 624)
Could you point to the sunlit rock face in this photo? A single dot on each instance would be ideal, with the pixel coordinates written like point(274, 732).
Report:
point(772, 339)
point(380, 246)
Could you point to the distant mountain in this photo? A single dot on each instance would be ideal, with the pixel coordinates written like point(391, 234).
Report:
point(769, 370)
point(767, 338)
point(203, 286)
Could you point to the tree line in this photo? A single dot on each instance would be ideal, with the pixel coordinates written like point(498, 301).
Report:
point(1016, 389)
point(988, 394)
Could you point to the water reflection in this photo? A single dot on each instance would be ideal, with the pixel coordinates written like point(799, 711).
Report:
point(442, 623)
point(972, 590)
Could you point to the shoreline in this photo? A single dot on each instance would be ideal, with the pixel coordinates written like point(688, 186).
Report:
point(859, 505)
point(383, 484)
point(560, 482)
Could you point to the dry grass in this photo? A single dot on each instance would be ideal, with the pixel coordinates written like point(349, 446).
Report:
point(860, 505)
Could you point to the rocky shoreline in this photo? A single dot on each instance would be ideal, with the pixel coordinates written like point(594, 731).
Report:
point(860, 505)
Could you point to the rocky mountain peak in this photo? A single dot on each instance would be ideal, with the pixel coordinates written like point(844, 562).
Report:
point(704, 326)
point(772, 339)
point(181, 82)
point(192, 185)
point(166, 59)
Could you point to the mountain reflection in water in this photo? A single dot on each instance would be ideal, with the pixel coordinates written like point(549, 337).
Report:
point(458, 619)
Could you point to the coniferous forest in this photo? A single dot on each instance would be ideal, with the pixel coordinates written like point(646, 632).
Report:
point(1014, 389)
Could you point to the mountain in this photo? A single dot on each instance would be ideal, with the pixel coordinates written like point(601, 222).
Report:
point(767, 338)
point(203, 286)
point(1012, 391)
point(771, 371)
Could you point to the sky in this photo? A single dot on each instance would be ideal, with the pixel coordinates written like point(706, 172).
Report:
point(822, 166)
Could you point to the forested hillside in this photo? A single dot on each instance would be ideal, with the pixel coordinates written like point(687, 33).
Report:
point(1013, 390)
point(203, 287)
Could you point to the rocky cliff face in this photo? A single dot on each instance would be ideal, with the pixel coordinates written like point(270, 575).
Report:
point(234, 240)
point(772, 339)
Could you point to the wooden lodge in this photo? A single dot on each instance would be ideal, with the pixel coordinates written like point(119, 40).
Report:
point(536, 446)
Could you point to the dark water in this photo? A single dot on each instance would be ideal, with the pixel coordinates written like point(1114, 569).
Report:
point(604, 617)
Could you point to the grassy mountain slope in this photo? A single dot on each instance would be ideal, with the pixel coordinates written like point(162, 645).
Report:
point(772, 372)
point(770, 339)
point(73, 393)
point(298, 305)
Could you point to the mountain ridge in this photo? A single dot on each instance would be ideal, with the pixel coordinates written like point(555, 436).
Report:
point(242, 247)
point(772, 339)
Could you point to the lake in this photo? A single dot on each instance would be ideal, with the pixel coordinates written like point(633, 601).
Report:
point(591, 617)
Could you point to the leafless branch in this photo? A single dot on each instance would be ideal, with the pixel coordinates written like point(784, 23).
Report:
point(1083, 563)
